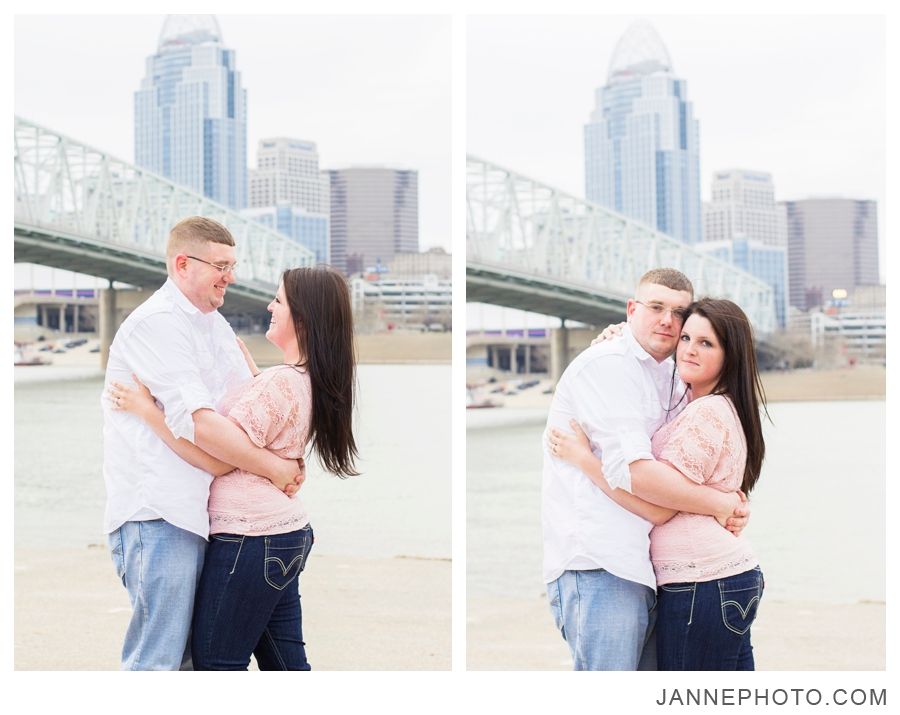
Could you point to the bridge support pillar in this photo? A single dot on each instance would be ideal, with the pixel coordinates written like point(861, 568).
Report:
point(108, 322)
point(559, 352)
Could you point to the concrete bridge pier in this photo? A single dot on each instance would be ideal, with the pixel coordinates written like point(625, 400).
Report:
point(108, 322)
point(559, 351)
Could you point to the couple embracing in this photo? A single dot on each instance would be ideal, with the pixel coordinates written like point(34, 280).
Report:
point(203, 456)
point(647, 463)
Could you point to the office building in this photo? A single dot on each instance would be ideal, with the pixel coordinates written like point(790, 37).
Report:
point(435, 261)
point(190, 114)
point(743, 226)
point(383, 302)
point(743, 204)
point(764, 261)
point(642, 143)
point(832, 245)
point(308, 229)
point(374, 215)
point(287, 171)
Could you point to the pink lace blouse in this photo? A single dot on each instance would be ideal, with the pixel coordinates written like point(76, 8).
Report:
point(274, 409)
point(705, 443)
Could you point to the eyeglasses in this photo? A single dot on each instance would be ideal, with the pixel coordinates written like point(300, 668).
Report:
point(227, 268)
point(659, 310)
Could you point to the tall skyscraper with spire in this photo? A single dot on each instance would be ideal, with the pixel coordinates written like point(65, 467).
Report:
point(642, 143)
point(190, 114)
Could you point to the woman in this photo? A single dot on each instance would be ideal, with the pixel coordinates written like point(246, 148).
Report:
point(709, 580)
point(247, 601)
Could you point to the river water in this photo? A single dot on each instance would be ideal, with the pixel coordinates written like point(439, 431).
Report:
point(399, 506)
point(818, 511)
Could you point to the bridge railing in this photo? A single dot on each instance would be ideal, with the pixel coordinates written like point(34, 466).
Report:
point(528, 227)
point(64, 185)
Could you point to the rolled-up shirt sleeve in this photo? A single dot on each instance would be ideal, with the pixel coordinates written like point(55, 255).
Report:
point(610, 407)
point(163, 353)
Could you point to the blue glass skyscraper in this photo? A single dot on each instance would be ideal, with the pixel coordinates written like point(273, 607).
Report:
point(642, 144)
point(190, 114)
point(310, 230)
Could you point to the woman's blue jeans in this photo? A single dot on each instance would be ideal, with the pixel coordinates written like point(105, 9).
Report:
point(706, 625)
point(248, 602)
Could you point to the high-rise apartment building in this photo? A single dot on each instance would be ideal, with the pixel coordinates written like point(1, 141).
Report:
point(642, 143)
point(374, 215)
point(190, 114)
point(832, 245)
point(287, 170)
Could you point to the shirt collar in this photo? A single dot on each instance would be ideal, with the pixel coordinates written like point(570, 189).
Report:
point(642, 354)
point(181, 300)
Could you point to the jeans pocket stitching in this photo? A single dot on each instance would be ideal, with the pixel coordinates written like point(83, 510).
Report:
point(751, 608)
point(240, 543)
point(301, 558)
point(680, 589)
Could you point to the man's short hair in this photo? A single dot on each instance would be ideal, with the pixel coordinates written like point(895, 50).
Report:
point(668, 278)
point(194, 231)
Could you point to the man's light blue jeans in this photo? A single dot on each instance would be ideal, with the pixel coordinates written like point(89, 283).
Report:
point(606, 621)
point(160, 566)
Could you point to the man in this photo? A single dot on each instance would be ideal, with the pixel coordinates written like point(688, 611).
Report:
point(179, 345)
point(600, 581)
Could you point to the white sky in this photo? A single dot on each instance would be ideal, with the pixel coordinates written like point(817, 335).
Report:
point(801, 97)
point(367, 89)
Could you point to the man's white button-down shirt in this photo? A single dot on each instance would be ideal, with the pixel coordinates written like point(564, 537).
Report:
point(188, 360)
point(620, 395)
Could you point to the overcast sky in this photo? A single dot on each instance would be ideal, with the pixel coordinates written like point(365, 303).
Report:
point(801, 97)
point(367, 90)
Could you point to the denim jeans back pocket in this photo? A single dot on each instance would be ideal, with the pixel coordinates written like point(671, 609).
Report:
point(286, 557)
point(740, 596)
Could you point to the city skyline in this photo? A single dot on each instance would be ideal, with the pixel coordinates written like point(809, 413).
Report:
point(799, 97)
point(369, 90)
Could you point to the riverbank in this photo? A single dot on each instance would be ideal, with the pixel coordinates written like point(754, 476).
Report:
point(379, 348)
point(398, 347)
point(71, 612)
point(861, 382)
point(518, 634)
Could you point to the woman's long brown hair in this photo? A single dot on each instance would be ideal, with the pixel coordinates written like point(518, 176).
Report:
point(319, 300)
point(739, 379)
